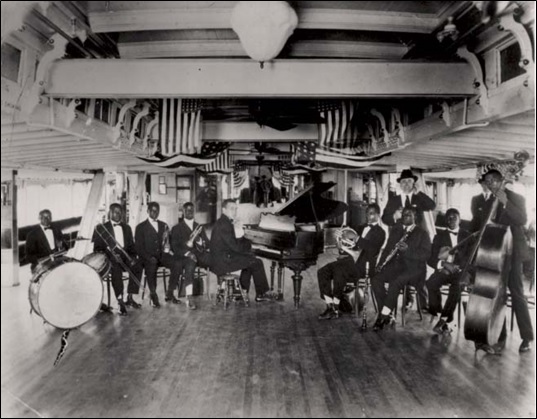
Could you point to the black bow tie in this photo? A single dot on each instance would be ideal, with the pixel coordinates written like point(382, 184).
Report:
point(116, 224)
point(456, 233)
point(47, 228)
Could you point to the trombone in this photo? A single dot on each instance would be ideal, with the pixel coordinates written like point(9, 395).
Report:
point(112, 246)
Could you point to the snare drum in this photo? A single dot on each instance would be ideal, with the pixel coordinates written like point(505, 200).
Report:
point(98, 261)
point(66, 294)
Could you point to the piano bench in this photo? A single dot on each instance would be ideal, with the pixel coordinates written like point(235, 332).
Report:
point(229, 289)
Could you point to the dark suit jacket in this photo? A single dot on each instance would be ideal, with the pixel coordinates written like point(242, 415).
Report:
point(37, 246)
point(99, 245)
point(480, 210)
point(419, 248)
point(442, 239)
point(180, 235)
point(148, 241)
point(370, 245)
point(228, 253)
point(514, 215)
point(420, 201)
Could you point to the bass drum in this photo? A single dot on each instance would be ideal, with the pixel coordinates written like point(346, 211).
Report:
point(66, 293)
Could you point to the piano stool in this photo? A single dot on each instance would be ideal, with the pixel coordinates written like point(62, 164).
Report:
point(229, 289)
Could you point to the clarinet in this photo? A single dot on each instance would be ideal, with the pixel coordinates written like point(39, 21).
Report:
point(395, 250)
point(366, 297)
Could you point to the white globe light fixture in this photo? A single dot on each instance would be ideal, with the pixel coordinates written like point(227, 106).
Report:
point(263, 27)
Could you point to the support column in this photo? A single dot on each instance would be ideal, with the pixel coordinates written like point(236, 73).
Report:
point(83, 247)
point(136, 195)
point(10, 232)
point(219, 196)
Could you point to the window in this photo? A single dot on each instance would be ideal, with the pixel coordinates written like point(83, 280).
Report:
point(510, 57)
point(184, 189)
point(11, 62)
point(162, 187)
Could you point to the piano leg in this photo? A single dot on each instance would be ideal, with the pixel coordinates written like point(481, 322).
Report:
point(297, 283)
point(272, 269)
point(280, 281)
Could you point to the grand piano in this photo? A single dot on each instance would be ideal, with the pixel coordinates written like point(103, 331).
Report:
point(293, 237)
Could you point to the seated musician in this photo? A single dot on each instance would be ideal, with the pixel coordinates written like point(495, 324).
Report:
point(409, 197)
point(190, 247)
point(333, 277)
point(152, 245)
point(231, 251)
point(447, 271)
point(118, 233)
point(44, 240)
point(403, 262)
point(511, 212)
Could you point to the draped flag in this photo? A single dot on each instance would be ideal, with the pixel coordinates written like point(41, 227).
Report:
point(304, 152)
point(210, 151)
point(220, 164)
point(179, 123)
point(239, 178)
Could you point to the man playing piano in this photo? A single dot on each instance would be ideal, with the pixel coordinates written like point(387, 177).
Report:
point(231, 251)
point(189, 241)
point(403, 262)
point(333, 277)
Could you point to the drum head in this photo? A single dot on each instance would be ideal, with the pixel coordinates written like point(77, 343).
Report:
point(70, 295)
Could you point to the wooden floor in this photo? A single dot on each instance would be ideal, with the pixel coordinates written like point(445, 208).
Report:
point(267, 360)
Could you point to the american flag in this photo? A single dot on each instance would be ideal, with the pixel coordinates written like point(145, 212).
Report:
point(220, 164)
point(339, 131)
point(179, 126)
point(210, 152)
point(304, 152)
point(239, 178)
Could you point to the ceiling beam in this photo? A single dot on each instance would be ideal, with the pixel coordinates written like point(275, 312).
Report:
point(243, 78)
point(175, 16)
point(233, 48)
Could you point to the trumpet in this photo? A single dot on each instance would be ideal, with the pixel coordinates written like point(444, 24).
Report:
point(193, 236)
point(395, 250)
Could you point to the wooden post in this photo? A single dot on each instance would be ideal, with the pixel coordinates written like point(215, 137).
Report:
point(218, 196)
point(136, 195)
point(82, 247)
point(10, 233)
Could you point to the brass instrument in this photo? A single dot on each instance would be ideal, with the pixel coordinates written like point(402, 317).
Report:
point(115, 249)
point(195, 240)
point(347, 238)
point(395, 250)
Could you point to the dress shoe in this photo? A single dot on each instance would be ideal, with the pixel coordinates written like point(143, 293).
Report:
point(525, 346)
point(382, 321)
point(154, 300)
point(441, 327)
point(172, 299)
point(130, 302)
point(329, 313)
point(261, 298)
point(122, 308)
point(485, 347)
point(190, 304)
point(499, 346)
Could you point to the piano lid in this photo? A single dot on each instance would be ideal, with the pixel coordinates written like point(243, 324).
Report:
point(310, 207)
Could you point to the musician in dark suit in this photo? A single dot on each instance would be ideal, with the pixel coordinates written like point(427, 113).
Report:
point(409, 197)
point(121, 233)
point(192, 253)
point(512, 212)
point(411, 246)
point(333, 277)
point(152, 245)
point(447, 271)
point(44, 240)
point(231, 251)
point(480, 207)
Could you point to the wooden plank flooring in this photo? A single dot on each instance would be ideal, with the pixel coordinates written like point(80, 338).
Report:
point(267, 360)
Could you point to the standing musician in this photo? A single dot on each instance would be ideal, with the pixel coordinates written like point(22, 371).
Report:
point(512, 212)
point(44, 240)
point(152, 244)
point(402, 262)
point(409, 197)
point(447, 269)
point(481, 206)
point(231, 251)
point(333, 277)
point(189, 243)
point(122, 235)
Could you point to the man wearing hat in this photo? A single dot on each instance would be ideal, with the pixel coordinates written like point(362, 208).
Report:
point(481, 206)
point(409, 197)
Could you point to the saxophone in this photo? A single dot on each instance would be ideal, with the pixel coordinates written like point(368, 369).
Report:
point(395, 250)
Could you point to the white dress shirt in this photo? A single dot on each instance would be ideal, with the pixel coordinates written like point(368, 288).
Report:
point(50, 237)
point(453, 239)
point(367, 229)
point(190, 223)
point(403, 198)
point(154, 223)
point(118, 234)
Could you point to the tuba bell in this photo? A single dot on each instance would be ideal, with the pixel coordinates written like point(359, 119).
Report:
point(347, 239)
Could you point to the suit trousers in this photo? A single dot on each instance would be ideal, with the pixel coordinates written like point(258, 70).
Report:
point(117, 276)
point(397, 275)
point(333, 277)
point(151, 265)
point(434, 284)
